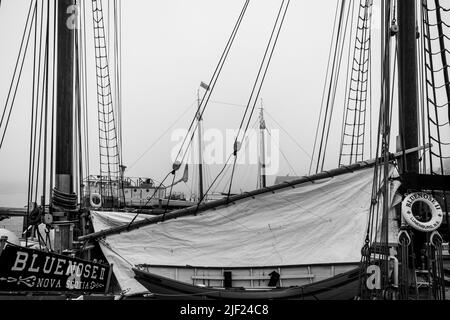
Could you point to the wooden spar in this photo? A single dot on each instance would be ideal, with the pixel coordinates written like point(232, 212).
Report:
point(67, 15)
point(408, 85)
point(65, 97)
point(217, 203)
point(13, 212)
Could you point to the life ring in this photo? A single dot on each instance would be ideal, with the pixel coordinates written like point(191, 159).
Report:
point(95, 200)
point(436, 212)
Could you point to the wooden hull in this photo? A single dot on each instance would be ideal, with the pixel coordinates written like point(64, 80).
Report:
point(344, 286)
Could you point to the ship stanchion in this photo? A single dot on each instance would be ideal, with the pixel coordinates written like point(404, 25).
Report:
point(108, 282)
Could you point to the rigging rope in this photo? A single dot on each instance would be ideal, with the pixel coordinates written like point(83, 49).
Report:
point(358, 86)
point(118, 69)
point(32, 131)
point(109, 152)
point(435, 90)
point(52, 137)
point(339, 44)
point(9, 104)
point(84, 93)
point(375, 248)
point(163, 134)
point(39, 128)
point(45, 103)
point(289, 135)
point(433, 67)
point(212, 83)
point(436, 67)
point(282, 153)
point(325, 84)
point(265, 61)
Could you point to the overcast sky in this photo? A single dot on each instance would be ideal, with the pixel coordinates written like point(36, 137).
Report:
point(169, 47)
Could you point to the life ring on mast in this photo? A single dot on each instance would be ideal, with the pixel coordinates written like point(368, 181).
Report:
point(96, 200)
point(435, 208)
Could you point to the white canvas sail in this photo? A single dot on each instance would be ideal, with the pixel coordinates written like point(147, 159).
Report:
point(313, 223)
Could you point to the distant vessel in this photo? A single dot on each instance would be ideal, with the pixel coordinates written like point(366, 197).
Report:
point(134, 194)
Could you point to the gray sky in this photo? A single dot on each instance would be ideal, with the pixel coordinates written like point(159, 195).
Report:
point(168, 48)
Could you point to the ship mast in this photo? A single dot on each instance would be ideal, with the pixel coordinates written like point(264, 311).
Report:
point(408, 92)
point(200, 149)
point(65, 94)
point(64, 159)
point(262, 156)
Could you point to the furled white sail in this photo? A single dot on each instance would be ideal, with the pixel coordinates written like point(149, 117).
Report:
point(314, 223)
